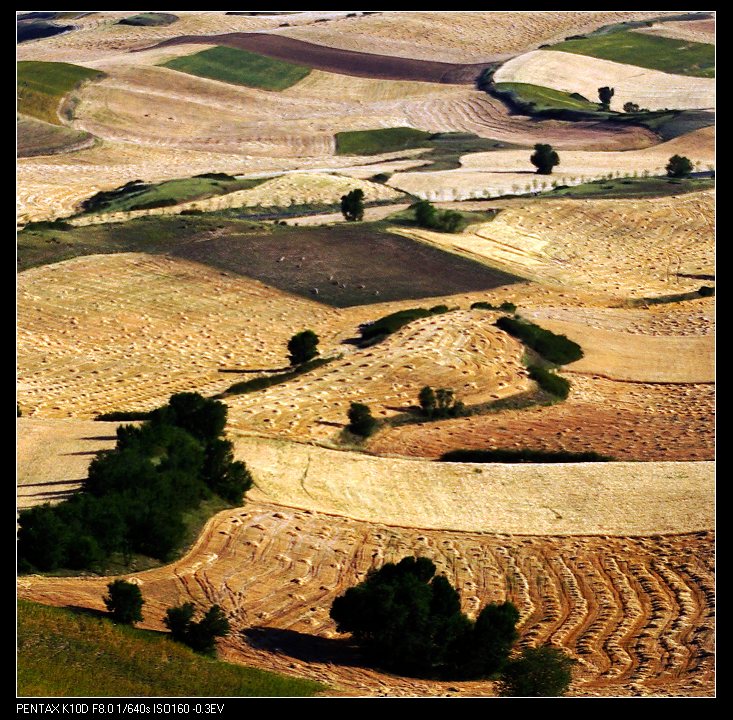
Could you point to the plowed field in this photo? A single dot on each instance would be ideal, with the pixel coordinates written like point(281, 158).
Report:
point(637, 613)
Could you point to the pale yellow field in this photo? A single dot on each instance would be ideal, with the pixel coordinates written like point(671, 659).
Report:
point(502, 172)
point(537, 499)
point(695, 30)
point(618, 247)
point(460, 37)
point(124, 332)
point(461, 350)
point(640, 358)
point(53, 456)
point(582, 74)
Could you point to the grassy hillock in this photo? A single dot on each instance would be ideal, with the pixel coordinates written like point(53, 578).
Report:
point(62, 653)
point(544, 98)
point(639, 187)
point(240, 68)
point(41, 85)
point(680, 57)
point(137, 195)
point(149, 19)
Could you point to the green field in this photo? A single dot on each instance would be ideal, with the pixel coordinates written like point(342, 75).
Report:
point(62, 653)
point(632, 188)
point(544, 98)
point(41, 85)
point(138, 196)
point(149, 19)
point(443, 150)
point(240, 68)
point(680, 57)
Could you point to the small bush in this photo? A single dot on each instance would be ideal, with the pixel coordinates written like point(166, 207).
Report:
point(555, 348)
point(427, 216)
point(124, 602)
point(361, 421)
point(199, 636)
point(521, 456)
point(706, 291)
point(549, 382)
point(538, 672)
point(440, 403)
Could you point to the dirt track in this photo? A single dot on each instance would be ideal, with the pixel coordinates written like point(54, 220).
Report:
point(637, 613)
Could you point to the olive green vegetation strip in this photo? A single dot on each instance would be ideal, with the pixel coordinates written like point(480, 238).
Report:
point(240, 68)
point(680, 57)
point(62, 653)
point(41, 85)
point(544, 98)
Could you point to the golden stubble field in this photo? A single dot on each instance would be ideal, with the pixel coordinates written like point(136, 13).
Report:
point(637, 613)
point(626, 248)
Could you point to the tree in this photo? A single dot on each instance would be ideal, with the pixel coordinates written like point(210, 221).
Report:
point(427, 401)
point(361, 421)
point(227, 477)
point(604, 95)
point(408, 619)
point(678, 166)
point(427, 216)
point(124, 602)
point(352, 205)
point(630, 107)
point(545, 671)
point(302, 347)
point(544, 158)
point(199, 636)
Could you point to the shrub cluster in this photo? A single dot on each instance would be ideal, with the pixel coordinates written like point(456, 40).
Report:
point(135, 495)
point(104, 198)
point(428, 216)
point(361, 420)
point(549, 382)
point(393, 322)
point(409, 620)
point(199, 636)
point(555, 348)
point(517, 456)
point(440, 403)
point(504, 307)
point(260, 383)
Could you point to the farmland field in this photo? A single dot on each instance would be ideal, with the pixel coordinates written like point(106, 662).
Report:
point(681, 57)
point(241, 68)
point(179, 188)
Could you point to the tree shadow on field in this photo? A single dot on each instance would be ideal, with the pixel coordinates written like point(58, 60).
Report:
point(308, 648)
point(101, 437)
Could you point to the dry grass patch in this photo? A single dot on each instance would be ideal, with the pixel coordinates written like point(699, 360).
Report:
point(650, 89)
point(559, 499)
point(124, 332)
point(53, 456)
point(633, 248)
point(692, 30)
point(637, 613)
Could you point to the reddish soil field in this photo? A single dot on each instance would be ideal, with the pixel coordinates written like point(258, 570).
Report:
point(636, 613)
point(345, 62)
point(628, 421)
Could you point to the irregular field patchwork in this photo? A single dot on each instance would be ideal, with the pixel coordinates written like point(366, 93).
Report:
point(650, 89)
point(637, 613)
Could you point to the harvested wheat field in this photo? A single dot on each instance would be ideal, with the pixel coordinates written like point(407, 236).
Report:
point(626, 421)
point(619, 355)
point(581, 74)
point(468, 36)
point(123, 332)
point(503, 172)
point(461, 350)
point(53, 456)
point(544, 499)
point(637, 613)
point(693, 30)
point(627, 248)
point(35, 137)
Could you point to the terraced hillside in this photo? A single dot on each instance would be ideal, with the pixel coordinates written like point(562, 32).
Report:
point(636, 612)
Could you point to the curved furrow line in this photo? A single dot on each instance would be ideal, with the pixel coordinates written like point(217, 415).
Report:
point(650, 645)
point(672, 649)
point(566, 632)
point(517, 586)
point(550, 612)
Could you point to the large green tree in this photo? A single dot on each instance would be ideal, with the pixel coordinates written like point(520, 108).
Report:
point(679, 166)
point(302, 347)
point(124, 602)
point(544, 158)
point(352, 205)
point(409, 620)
